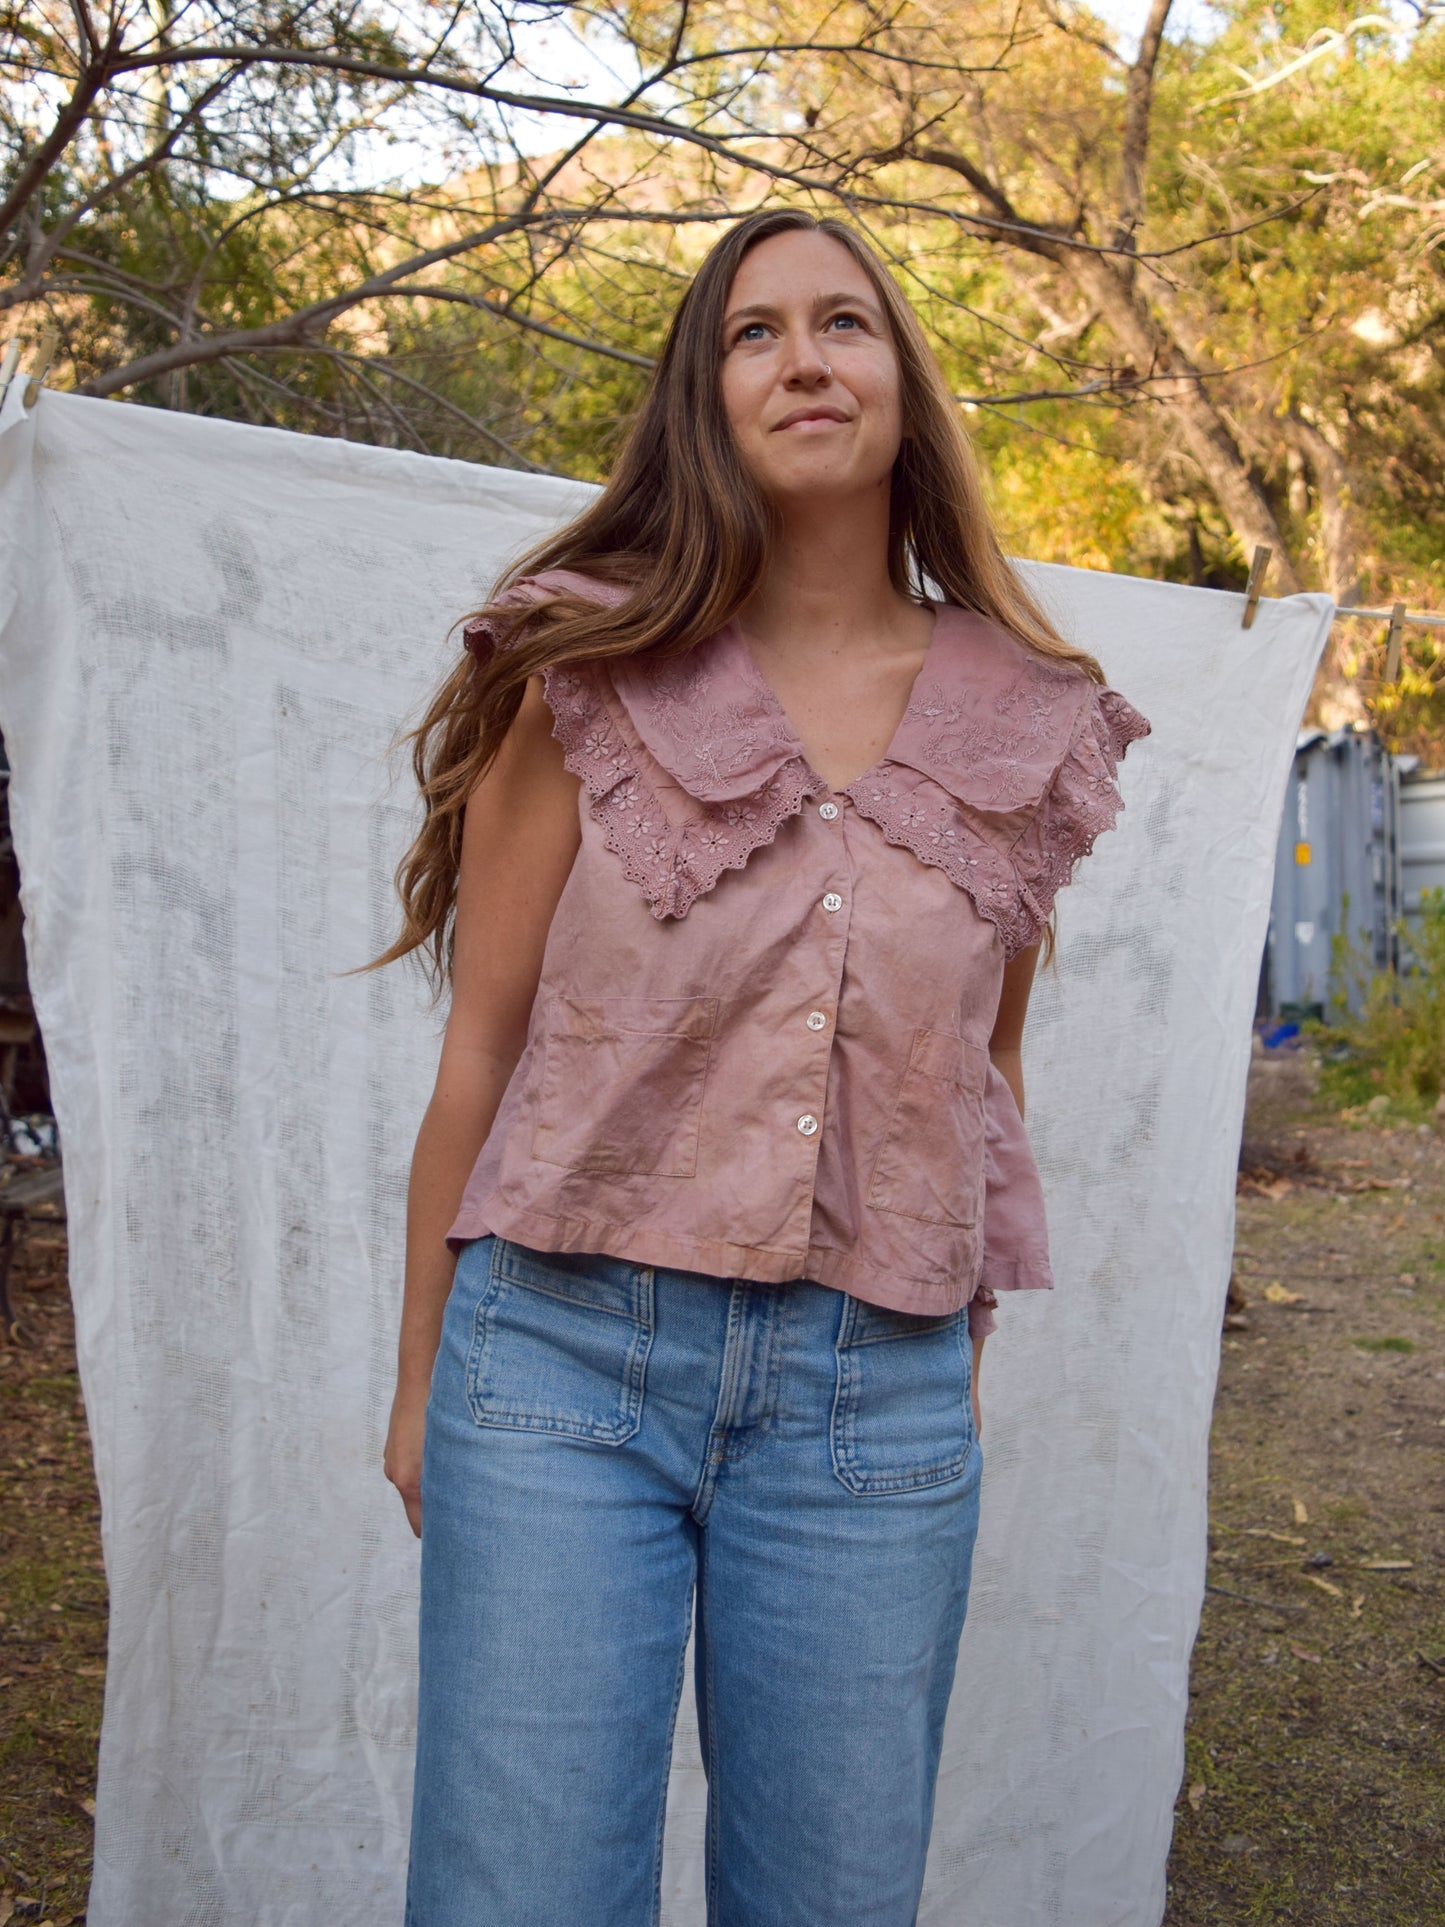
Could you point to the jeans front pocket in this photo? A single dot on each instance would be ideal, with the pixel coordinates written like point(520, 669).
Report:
point(560, 1343)
point(622, 1084)
point(902, 1410)
point(930, 1164)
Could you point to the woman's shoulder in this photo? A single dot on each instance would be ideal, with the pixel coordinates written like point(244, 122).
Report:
point(985, 652)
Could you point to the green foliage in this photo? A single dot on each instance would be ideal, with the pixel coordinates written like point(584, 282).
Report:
point(1391, 1045)
point(1313, 299)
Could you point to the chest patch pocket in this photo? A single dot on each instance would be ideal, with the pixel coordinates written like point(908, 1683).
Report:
point(622, 1084)
point(930, 1164)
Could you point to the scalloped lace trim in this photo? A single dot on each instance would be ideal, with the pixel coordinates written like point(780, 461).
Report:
point(1082, 803)
point(671, 865)
point(1014, 889)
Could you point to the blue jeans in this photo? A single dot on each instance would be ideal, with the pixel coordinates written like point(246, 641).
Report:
point(605, 1440)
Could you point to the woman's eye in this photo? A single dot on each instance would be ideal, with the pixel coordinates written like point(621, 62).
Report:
point(851, 319)
point(752, 331)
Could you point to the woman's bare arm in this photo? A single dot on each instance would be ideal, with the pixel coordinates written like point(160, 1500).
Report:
point(1005, 1047)
point(520, 837)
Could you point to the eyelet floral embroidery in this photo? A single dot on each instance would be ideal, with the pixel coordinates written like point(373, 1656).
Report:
point(676, 864)
point(1015, 887)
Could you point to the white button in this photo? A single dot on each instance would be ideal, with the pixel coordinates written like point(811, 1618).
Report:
point(830, 810)
point(817, 1019)
point(807, 1124)
point(832, 901)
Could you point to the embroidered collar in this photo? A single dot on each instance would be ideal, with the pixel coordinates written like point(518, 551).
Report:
point(991, 731)
point(987, 719)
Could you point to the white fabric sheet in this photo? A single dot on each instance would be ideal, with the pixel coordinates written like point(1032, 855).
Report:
point(210, 634)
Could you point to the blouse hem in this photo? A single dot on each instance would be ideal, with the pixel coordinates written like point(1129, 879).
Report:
point(762, 1264)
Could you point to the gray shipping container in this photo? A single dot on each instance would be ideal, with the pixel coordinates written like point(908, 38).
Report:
point(1339, 835)
point(1422, 835)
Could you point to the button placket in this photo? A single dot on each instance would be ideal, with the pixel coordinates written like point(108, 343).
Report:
point(809, 1123)
point(821, 1020)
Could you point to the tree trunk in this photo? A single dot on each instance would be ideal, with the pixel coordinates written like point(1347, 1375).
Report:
point(1155, 351)
point(1336, 700)
point(1206, 435)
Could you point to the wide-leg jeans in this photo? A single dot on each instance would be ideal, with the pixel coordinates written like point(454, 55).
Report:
point(611, 1447)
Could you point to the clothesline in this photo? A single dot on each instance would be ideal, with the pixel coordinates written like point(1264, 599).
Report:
point(1396, 615)
point(1388, 615)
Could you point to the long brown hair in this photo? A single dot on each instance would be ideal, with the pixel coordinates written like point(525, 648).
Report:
point(684, 526)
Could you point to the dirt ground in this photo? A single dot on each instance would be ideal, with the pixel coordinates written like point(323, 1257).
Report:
point(1314, 1790)
point(1313, 1793)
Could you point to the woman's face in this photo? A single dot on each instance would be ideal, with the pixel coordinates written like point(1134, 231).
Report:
point(810, 377)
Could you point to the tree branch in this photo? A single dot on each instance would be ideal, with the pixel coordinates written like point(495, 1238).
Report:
point(1137, 106)
point(48, 242)
point(505, 313)
point(393, 373)
point(71, 116)
point(306, 325)
point(1010, 226)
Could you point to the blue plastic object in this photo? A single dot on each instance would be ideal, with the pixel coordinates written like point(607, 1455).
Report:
point(1278, 1034)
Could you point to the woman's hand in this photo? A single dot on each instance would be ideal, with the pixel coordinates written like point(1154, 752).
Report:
point(402, 1463)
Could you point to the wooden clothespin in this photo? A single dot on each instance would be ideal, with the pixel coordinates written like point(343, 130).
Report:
point(1255, 583)
point(40, 367)
point(7, 365)
point(1392, 642)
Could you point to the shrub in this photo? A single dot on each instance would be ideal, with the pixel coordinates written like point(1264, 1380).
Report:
point(1393, 1044)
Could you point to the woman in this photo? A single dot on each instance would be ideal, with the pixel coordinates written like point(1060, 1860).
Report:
point(738, 853)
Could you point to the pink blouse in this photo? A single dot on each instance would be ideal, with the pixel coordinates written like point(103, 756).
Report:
point(759, 1045)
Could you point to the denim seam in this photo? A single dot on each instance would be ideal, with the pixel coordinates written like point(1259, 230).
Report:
point(714, 1460)
point(662, 1801)
point(714, 1789)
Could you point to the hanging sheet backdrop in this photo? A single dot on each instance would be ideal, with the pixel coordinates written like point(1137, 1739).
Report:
point(210, 634)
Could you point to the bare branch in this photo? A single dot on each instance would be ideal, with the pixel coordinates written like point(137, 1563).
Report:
point(48, 243)
point(393, 373)
point(1009, 226)
point(1138, 104)
point(68, 120)
point(505, 311)
point(305, 327)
